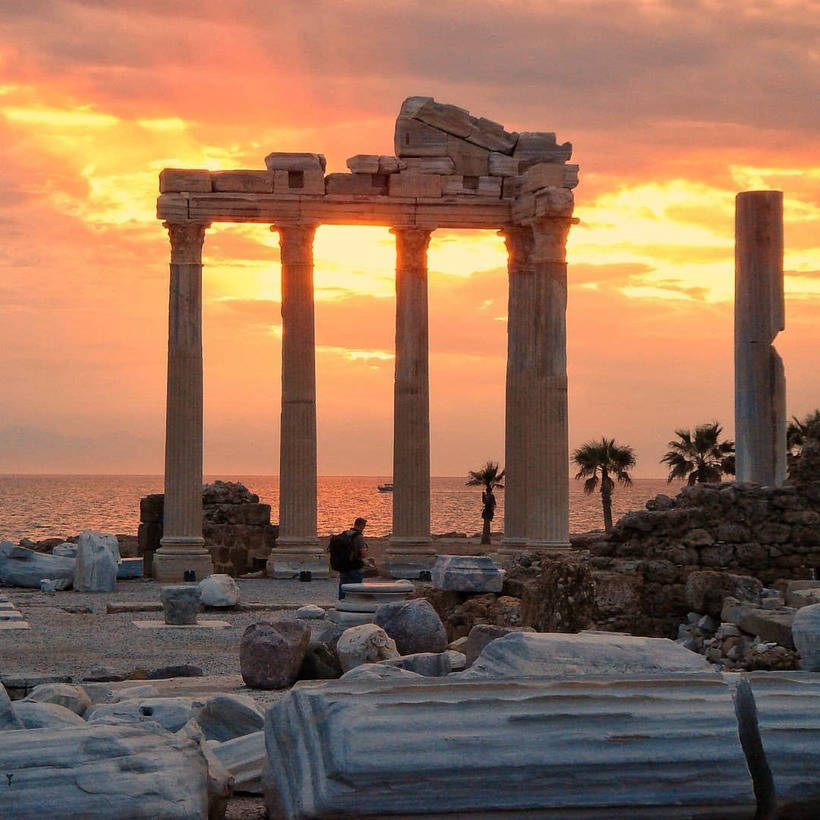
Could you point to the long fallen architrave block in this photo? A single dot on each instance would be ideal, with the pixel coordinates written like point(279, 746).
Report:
point(100, 771)
point(602, 747)
point(788, 719)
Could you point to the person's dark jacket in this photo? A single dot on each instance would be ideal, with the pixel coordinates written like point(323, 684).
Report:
point(358, 551)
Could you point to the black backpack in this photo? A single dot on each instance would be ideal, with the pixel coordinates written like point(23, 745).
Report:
point(341, 548)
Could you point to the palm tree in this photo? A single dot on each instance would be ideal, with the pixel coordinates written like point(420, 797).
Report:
point(489, 478)
point(612, 461)
point(798, 431)
point(700, 457)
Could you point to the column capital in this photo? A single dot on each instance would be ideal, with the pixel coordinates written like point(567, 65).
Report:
point(550, 237)
point(186, 240)
point(295, 242)
point(413, 241)
point(520, 241)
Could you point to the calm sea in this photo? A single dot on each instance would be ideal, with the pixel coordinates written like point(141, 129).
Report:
point(42, 506)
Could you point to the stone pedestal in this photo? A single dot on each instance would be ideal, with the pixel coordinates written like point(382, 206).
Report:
point(182, 543)
point(181, 605)
point(760, 384)
point(297, 549)
point(519, 241)
point(548, 433)
point(362, 600)
point(411, 549)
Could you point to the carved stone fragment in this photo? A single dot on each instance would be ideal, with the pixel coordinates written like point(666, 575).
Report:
point(415, 139)
point(502, 166)
point(364, 164)
point(540, 146)
point(458, 185)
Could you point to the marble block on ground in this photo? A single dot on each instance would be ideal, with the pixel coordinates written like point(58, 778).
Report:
point(467, 573)
point(102, 771)
point(612, 746)
point(21, 567)
point(244, 758)
point(556, 653)
point(130, 568)
point(788, 719)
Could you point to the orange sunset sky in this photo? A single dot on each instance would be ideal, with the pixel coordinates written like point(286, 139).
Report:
point(672, 108)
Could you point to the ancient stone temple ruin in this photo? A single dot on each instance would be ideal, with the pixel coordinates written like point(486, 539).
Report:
point(451, 170)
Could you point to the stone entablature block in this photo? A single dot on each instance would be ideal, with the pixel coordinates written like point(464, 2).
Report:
point(444, 157)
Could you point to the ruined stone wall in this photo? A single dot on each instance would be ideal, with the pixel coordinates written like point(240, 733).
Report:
point(641, 568)
point(236, 527)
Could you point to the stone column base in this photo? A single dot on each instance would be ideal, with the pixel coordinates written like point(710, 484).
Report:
point(287, 561)
point(174, 557)
point(406, 558)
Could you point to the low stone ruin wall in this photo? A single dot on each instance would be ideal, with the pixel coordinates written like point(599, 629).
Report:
point(236, 528)
point(641, 568)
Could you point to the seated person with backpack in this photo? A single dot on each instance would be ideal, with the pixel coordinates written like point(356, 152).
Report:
point(347, 551)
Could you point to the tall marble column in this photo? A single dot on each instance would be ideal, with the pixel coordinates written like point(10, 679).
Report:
point(760, 382)
point(548, 468)
point(411, 550)
point(182, 545)
point(297, 547)
point(519, 241)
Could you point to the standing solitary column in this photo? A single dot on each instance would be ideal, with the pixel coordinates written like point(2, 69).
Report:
point(519, 241)
point(760, 384)
point(411, 549)
point(297, 547)
point(548, 439)
point(182, 545)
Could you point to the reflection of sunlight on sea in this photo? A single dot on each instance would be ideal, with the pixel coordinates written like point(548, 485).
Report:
point(60, 505)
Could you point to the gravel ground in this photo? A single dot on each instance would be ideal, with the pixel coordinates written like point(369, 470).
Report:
point(72, 643)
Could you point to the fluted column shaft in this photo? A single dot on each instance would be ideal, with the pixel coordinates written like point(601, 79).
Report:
point(519, 241)
point(548, 473)
point(760, 381)
point(411, 395)
point(297, 545)
point(410, 549)
point(297, 465)
point(182, 542)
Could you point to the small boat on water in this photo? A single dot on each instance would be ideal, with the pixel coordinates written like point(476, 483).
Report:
point(386, 488)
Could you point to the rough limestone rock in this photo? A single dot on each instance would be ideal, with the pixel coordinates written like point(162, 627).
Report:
point(21, 567)
point(271, 653)
point(225, 717)
point(604, 747)
point(788, 720)
point(244, 758)
point(71, 697)
point(170, 713)
point(705, 590)
point(366, 643)
point(467, 573)
point(481, 634)
point(8, 719)
point(428, 664)
point(806, 635)
point(380, 671)
point(176, 670)
point(414, 625)
point(554, 653)
point(227, 492)
point(102, 772)
point(180, 604)
point(219, 590)
point(45, 715)
point(96, 567)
